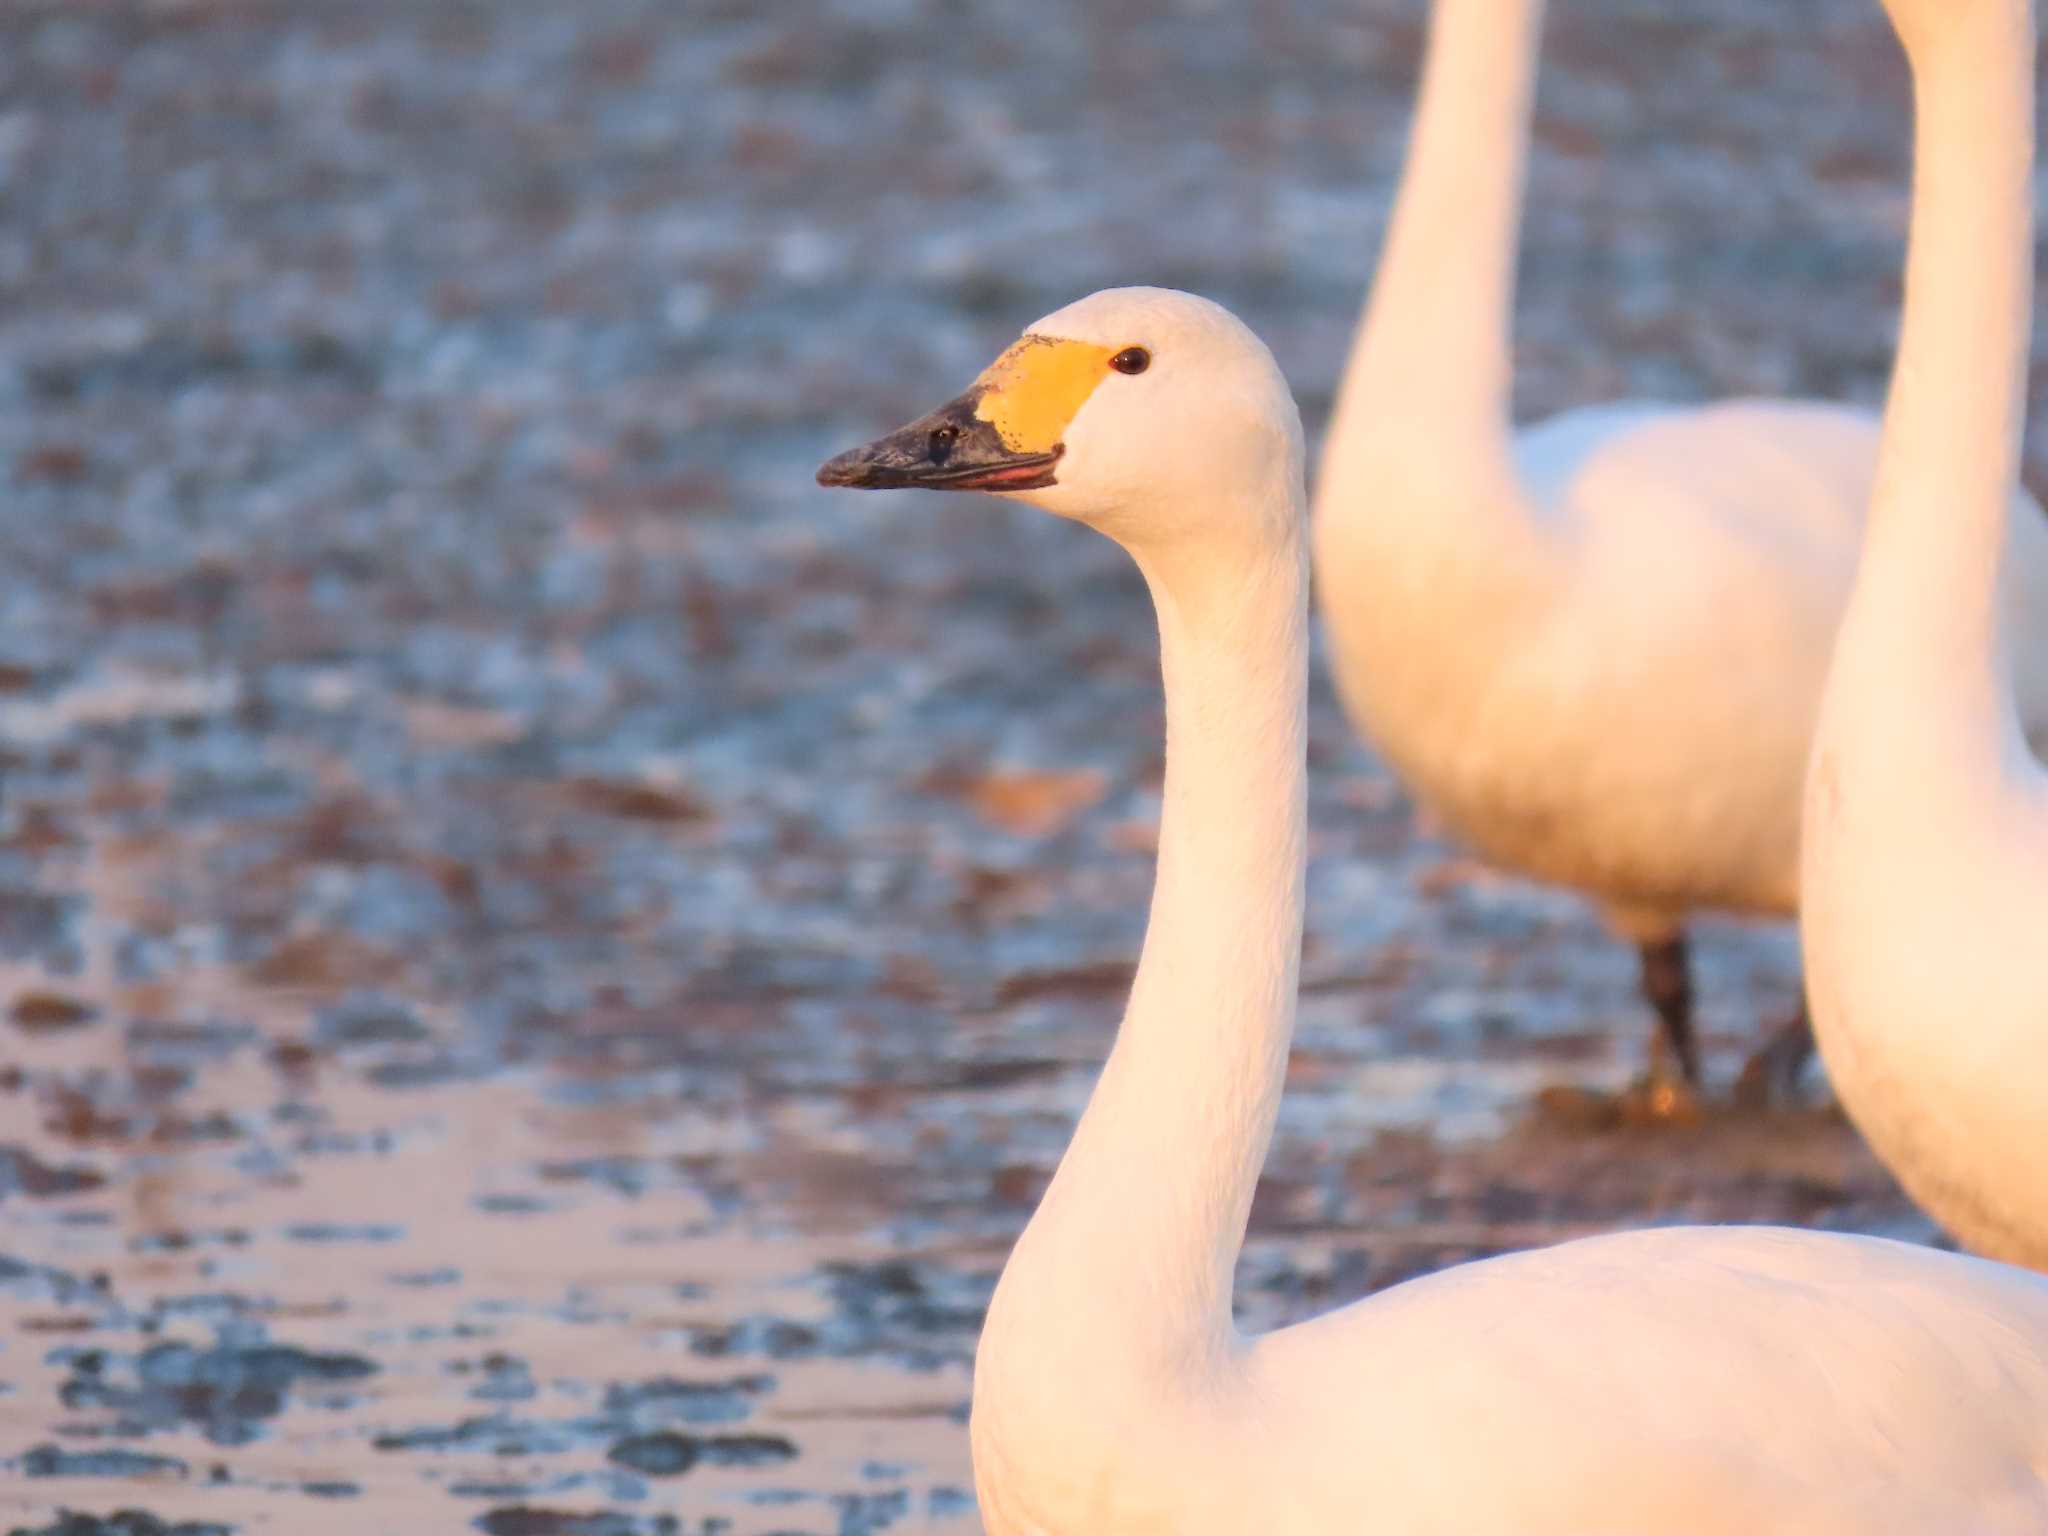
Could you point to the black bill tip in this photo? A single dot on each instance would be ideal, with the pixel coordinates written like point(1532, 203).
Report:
point(856, 469)
point(950, 450)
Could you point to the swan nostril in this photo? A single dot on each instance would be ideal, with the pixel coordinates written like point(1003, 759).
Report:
point(940, 445)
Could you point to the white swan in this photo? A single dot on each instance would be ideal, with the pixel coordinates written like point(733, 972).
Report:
point(1594, 648)
point(1925, 882)
point(1685, 1380)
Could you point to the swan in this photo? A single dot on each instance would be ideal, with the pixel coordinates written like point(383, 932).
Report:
point(1594, 648)
point(1925, 870)
point(1688, 1380)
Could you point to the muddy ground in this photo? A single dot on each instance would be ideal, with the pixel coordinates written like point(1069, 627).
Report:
point(544, 959)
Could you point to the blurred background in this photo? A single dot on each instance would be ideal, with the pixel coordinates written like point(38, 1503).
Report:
point(543, 958)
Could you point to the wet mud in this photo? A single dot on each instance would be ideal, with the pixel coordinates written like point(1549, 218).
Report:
point(543, 959)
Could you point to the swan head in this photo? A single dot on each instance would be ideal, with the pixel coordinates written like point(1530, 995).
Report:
point(1152, 415)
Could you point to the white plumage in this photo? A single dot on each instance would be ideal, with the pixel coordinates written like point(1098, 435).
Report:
point(1926, 869)
point(1687, 1380)
point(1594, 648)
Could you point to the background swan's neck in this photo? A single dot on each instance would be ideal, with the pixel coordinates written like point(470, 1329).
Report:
point(1922, 639)
point(1125, 1271)
point(1423, 527)
point(1435, 341)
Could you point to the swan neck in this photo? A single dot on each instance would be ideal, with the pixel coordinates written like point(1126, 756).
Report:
point(1927, 606)
point(1436, 333)
point(1130, 1256)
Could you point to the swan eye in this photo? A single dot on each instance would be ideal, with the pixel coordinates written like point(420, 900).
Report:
point(940, 444)
point(1131, 360)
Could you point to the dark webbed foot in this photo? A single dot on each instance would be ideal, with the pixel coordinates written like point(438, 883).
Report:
point(1669, 1093)
point(1661, 1099)
point(1649, 1102)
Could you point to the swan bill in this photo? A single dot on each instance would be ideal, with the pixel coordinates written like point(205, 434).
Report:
point(952, 449)
point(1004, 434)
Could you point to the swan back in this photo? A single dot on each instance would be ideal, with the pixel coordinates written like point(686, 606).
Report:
point(1825, 1384)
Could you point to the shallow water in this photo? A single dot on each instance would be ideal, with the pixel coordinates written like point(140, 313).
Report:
point(543, 960)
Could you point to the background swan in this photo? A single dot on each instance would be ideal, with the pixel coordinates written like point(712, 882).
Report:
point(1687, 1380)
point(1926, 867)
point(1594, 648)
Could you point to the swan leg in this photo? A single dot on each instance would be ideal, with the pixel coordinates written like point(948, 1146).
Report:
point(1667, 983)
point(1771, 1075)
point(1668, 1093)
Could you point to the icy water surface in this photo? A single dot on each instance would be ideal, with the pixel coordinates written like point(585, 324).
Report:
point(543, 959)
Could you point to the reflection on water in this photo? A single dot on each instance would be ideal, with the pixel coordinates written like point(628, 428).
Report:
point(542, 962)
point(371, 1304)
point(308, 1259)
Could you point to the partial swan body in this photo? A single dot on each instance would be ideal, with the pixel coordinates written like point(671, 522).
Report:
point(1925, 884)
point(1595, 649)
point(1687, 1380)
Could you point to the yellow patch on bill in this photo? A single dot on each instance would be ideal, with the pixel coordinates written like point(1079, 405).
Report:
point(1032, 391)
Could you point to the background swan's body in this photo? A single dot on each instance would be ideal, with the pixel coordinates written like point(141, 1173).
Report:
point(1625, 730)
point(1926, 865)
point(1595, 648)
point(1686, 1380)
